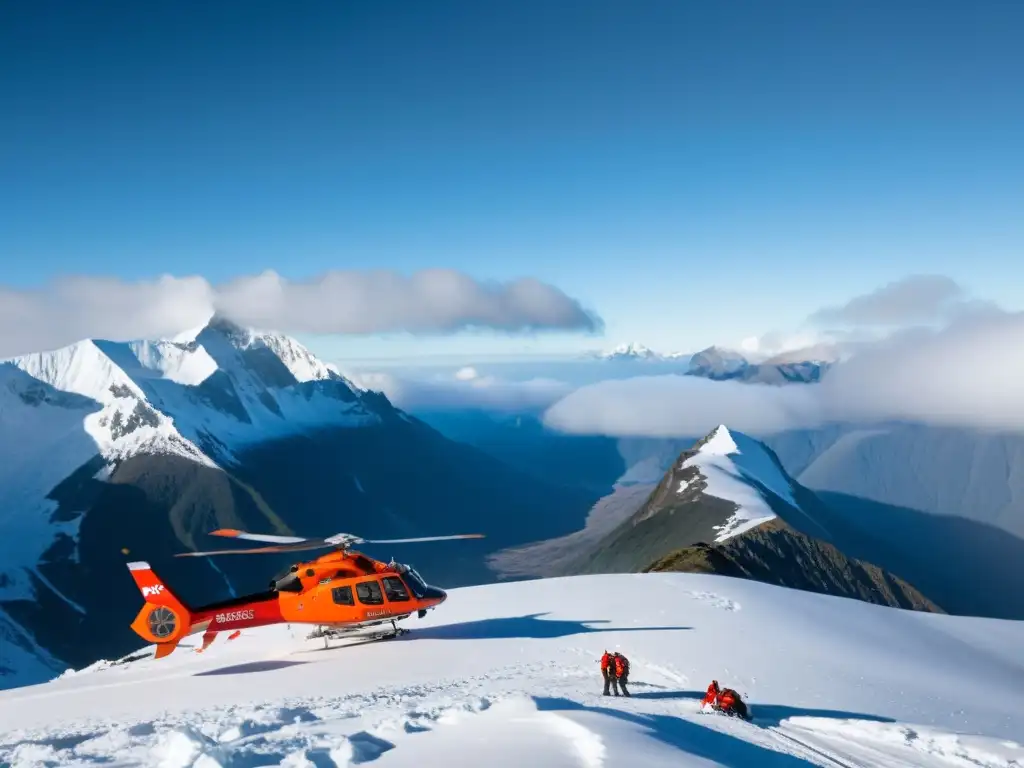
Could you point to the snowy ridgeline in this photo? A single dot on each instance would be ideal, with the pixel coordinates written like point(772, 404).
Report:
point(732, 464)
point(507, 675)
point(221, 386)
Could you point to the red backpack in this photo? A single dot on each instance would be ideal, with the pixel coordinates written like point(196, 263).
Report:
point(621, 662)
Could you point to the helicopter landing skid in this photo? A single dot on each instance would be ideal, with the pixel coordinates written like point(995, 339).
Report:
point(329, 633)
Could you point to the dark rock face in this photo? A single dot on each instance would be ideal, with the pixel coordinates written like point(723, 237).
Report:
point(774, 553)
point(396, 479)
point(797, 549)
point(668, 520)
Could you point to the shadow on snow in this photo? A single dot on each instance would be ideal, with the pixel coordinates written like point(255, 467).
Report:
point(521, 627)
point(252, 666)
point(767, 715)
point(709, 743)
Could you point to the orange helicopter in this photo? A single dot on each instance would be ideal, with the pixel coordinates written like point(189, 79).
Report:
point(342, 592)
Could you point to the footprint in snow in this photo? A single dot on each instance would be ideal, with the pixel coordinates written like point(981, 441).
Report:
point(716, 601)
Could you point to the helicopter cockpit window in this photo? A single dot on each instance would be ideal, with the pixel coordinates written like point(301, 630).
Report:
point(369, 593)
point(342, 596)
point(395, 590)
point(415, 582)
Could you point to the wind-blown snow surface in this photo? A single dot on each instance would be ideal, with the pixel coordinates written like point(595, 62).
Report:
point(733, 465)
point(507, 675)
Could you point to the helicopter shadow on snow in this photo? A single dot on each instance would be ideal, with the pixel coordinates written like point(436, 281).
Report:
point(531, 626)
point(265, 665)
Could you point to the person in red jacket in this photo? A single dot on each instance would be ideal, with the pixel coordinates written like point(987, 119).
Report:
point(606, 672)
point(711, 696)
point(726, 701)
point(621, 670)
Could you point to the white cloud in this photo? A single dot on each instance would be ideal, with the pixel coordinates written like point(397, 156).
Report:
point(968, 373)
point(917, 299)
point(73, 308)
point(467, 374)
point(680, 406)
point(776, 344)
point(434, 301)
point(455, 393)
point(429, 301)
point(839, 331)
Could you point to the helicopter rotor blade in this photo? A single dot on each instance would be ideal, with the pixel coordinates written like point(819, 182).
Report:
point(423, 538)
point(294, 547)
point(233, 533)
point(298, 544)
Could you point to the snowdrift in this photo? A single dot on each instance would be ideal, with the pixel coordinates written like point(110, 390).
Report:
point(507, 675)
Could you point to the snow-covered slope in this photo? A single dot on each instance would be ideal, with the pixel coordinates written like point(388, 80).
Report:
point(96, 404)
point(508, 675)
point(962, 472)
point(737, 475)
point(198, 400)
point(149, 445)
point(725, 485)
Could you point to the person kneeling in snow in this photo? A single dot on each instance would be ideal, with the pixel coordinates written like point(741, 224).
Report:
point(726, 701)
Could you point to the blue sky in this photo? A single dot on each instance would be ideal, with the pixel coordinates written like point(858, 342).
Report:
point(694, 172)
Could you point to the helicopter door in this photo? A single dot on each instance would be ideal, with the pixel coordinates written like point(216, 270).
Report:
point(395, 590)
point(342, 596)
point(369, 592)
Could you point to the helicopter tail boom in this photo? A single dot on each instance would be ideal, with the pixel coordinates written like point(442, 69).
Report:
point(164, 619)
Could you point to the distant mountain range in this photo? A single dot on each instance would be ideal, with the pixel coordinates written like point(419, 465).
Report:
point(634, 351)
point(719, 364)
point(110, 451)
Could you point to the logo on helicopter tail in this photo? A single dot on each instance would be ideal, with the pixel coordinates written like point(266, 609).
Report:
point(235, 616)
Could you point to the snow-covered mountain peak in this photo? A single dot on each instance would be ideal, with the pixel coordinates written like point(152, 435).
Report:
point(720, 441)
point(223, 335)
point(630, 351)
point(741, 470)
point(717, 362)
point(186, 363)
point(236, 334)
point(302, 363)
point(83, 411)
point(237, 384)
point(81, 368)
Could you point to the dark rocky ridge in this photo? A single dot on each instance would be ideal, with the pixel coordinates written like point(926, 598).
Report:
point(797, 549)
point(396, 479)
point(774, 553)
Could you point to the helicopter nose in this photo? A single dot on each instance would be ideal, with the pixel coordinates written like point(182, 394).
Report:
point(433, 593)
